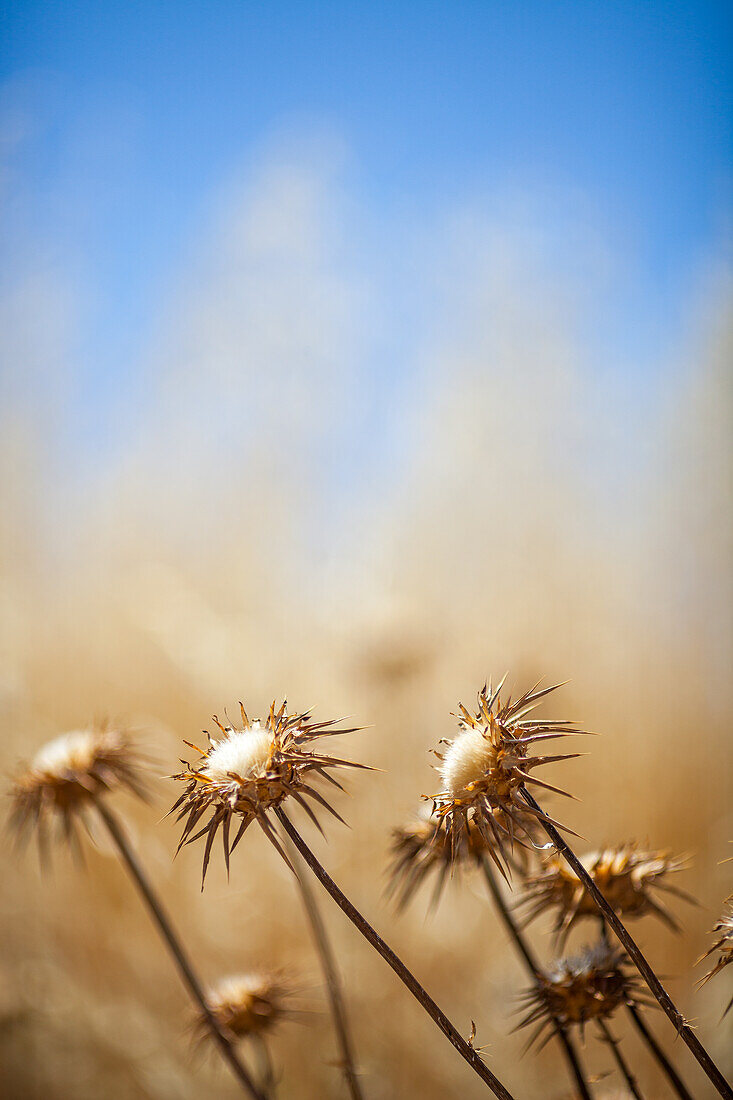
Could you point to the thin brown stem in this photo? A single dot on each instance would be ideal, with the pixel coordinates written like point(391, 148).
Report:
point(175, 946)
point(525, 951)
point(464, 1048)
point(674, 1078)
point(623, 1065)
point(331, 975)
point(681, 1026)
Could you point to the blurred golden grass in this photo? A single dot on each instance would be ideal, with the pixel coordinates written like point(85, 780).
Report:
point(502, 550)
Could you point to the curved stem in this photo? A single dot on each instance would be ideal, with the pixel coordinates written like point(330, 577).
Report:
point(681, 1026)
point(464, 1048)
point(525, 951)
point(674, 1078)
point(175, 946)
point(331, 975)
point(620, 1060)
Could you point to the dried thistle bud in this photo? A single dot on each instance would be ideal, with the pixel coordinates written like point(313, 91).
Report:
point(246, 1005)
point(425, 846)
point(249, 771)
point(588, 986)
point(68, 773)
point(484, 769)
point(723, 929)
point(628, 879)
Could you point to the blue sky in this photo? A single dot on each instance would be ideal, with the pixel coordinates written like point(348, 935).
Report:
point(626, 104)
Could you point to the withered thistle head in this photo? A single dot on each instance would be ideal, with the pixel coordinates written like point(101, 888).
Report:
point(588, 986)
point(250, 771)
point(247, 1005)
point(425, 846)
point(627, 877)
point(723, 929)
point(68, 773)
point(485, 768)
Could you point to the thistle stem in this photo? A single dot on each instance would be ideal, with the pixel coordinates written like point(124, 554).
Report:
point(331, 975)
point(525, 951)
point(464, 1048)
point(175, 946)
point(675, 1080)
point(615, 1046)
point(682, 1028)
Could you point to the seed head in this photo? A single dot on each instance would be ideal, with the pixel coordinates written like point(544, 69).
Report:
point(249, 771)
point(246, 1005)
point(484, 769)
point(723, 944)
point(425, 846)
point(589, 986)
point(626, 876)
point(68, 773)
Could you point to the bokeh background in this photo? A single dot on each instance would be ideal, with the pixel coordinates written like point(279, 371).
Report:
point(357, 352)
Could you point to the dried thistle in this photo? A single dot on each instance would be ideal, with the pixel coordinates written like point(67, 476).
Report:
point(485, 767)
point(249, 1005)
point(575, 990)
point(724, 944)
point(425, 845)
point(250, 771)
point(68, 774)
point(626, 876)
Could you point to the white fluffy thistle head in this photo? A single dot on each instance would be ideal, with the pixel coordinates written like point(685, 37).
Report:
point(486, 767)
point(250, 771)
point(68, 773)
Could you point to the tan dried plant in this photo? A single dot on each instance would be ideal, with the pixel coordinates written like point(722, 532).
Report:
point(425, 847)
point(66, 783)
point(576, 990)
point(248, 772)
point(627, 876)
point(67, 775)
point(486, 767)
point(251, 1004)
point(723, 929)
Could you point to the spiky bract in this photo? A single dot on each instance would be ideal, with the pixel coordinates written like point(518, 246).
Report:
point(425, 845)
point(246, 1005)
point(68, 773)
point(250, 771)
point(485, 768)
point(723, 929)
point(573, 991)
point(626, 876)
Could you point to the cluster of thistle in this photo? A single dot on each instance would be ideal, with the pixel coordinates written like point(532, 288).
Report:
point(244, 774)
point(482, 819)
point(484, 816)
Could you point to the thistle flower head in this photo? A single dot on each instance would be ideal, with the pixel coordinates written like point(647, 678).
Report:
point(246, 1005)
point(589, 986)
point(723, 929)
point(627, 877)
point(68, 773)
point(485, 767)
point(252, 770)
point(425, 846)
